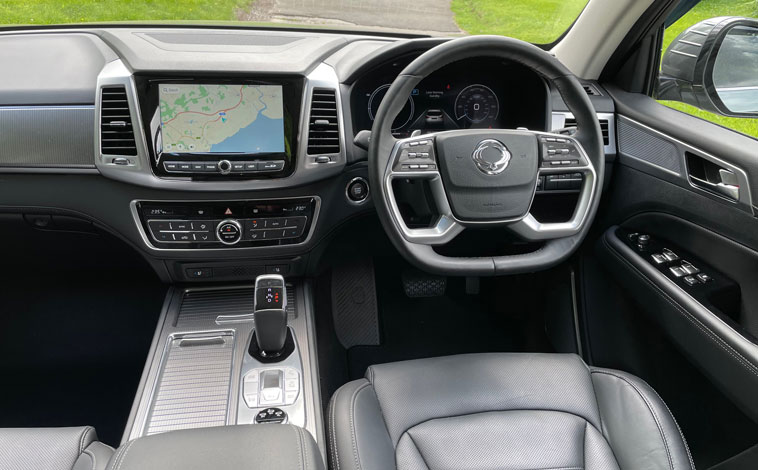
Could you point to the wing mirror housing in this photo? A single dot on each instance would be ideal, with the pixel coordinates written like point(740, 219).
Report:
point(713, 65)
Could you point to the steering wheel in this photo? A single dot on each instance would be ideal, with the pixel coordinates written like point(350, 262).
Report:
point(486, 177)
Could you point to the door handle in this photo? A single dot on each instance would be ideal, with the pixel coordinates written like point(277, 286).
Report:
point(712, 177)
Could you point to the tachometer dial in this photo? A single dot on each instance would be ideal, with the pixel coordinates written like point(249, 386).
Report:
point(403, 117)
point(477, 103)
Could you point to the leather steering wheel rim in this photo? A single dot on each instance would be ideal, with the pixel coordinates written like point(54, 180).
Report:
point(381, 148)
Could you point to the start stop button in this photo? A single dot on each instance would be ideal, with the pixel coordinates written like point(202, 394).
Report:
point(357, 190)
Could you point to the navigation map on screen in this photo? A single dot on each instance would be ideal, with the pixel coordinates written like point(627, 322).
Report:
point(201, 118)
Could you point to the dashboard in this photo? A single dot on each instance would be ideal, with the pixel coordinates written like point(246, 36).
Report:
point(476, 93)
point(226, 153)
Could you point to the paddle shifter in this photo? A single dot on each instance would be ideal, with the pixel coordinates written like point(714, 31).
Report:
point(270, 315)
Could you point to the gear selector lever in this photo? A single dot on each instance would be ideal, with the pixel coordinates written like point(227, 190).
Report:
point(270, 309)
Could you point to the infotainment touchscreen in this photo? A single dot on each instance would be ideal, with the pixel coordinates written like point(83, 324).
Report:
point(222, 119)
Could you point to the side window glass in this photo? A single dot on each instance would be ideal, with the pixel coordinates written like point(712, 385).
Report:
point(709, 65)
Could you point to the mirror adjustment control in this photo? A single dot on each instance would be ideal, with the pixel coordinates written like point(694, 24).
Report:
point(229, 231)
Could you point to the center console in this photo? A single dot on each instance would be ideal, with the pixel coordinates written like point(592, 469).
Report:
point(222, 356)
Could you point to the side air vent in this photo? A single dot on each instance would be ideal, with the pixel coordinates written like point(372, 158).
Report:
point(571, 122)
point(323, 124)
point(116, 132)
point(591, 90)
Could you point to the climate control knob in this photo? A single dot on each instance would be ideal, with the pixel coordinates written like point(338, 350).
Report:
point(229, 231)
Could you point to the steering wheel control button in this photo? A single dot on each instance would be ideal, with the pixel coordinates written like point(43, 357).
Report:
point(357, 190)
point(229, 231)
point(271, 416)
point(416, 155)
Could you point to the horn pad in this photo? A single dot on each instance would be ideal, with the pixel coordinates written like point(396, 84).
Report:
point(488, 174)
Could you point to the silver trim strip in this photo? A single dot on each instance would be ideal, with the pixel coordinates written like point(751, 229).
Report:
point(241, 249)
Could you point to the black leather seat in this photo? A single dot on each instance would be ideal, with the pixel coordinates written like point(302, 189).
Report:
point(74, 448)
point(505, 411)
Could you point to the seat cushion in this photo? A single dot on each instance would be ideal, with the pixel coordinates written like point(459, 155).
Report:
point(505, 411)
point(74, 448)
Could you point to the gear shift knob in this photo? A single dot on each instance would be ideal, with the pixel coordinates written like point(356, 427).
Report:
point(270, 310)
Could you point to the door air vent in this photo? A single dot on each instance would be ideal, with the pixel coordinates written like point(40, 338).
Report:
point(323, 124)
point(571, 122)
point(116, 131)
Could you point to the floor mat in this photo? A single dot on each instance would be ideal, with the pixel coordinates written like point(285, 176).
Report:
point(504, 317)
point(73, 346)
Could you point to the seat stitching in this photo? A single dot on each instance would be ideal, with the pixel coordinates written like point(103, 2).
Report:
point(92, 456)
point(681, 434)
point(299, 449)
point(126, 451)
point(352, 425)
point(333, 419)
point(715, 338)
point(652, 412)
point(82, 438)
point(417, 448)
point(305, 448)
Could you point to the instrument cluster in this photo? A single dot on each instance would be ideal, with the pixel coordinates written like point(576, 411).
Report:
point(472, 94)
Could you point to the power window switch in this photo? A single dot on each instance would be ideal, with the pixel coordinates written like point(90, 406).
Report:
point(690, 280)
point(689, 268)
point(702, 277)
point(658, 258)
point(677, 271)
point(670, 255)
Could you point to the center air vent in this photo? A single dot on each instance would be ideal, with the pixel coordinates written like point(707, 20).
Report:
point(571, 122)
point(323, 124)
point(116, 131)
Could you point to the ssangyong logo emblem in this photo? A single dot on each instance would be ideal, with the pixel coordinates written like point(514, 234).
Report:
point(491, 157)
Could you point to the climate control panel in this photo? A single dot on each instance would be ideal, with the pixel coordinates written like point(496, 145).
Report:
point(225, 224)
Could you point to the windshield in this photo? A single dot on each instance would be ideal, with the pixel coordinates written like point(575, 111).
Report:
point(537, 21)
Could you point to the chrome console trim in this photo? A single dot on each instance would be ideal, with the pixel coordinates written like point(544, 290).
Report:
point(139, 170)
point(232, 249)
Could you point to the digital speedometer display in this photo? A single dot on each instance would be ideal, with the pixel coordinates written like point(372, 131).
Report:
point(477, 93)
point(477, 103)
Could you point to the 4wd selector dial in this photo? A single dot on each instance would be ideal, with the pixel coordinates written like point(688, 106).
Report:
point(229, 231)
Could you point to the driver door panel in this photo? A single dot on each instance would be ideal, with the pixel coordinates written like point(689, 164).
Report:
point(660, 188)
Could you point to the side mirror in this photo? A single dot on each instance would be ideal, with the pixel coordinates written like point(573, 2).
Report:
point(713, 65)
